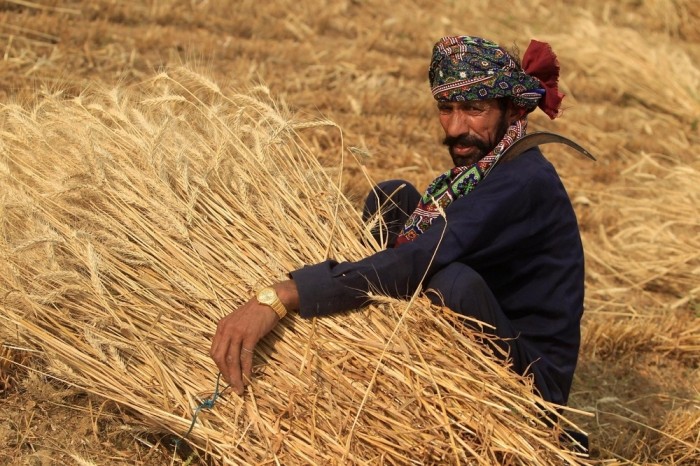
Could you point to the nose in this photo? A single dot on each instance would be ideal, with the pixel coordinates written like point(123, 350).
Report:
point(455, 124)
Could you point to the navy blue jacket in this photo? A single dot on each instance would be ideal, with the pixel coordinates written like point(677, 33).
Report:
point(517, 229)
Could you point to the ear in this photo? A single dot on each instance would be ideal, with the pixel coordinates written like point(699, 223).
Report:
point(515, 112)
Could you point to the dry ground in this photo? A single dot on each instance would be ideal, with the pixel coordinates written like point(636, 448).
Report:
point(631, 75)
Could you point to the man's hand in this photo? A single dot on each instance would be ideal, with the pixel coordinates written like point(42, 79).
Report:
point(238, 333)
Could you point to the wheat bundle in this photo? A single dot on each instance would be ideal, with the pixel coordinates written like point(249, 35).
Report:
point(132, 220)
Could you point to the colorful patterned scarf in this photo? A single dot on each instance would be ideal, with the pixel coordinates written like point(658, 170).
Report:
point(454, 184)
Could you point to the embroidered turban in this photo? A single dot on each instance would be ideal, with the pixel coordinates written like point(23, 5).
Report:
point(471, 68)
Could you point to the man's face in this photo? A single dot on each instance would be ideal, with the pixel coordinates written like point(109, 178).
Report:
point(473, 129)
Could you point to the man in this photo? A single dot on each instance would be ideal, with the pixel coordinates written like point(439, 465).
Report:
point(496, 241)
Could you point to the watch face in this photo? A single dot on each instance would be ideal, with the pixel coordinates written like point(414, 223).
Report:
point(266, 296)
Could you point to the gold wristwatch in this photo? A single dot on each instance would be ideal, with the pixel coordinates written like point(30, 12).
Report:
point(269, 297)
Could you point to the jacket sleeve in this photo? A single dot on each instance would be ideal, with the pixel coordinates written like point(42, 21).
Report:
point(484, 226)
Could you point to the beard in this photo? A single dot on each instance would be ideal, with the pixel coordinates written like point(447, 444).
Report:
point(483, 146)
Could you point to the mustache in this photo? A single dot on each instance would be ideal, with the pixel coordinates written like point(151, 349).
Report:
point(465, 140)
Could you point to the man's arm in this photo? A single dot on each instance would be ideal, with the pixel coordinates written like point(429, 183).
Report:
point(483, 228)
point(237, 334)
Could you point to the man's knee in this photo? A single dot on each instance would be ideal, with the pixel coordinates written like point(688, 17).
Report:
point(460, 288)
point(393, 201)
point(391, 186)
point(388, 195)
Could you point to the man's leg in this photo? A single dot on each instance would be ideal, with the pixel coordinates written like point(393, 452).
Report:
point(460, 288)
point(394, 201)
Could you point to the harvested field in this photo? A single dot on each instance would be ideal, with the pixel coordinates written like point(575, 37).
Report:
point(135, 212)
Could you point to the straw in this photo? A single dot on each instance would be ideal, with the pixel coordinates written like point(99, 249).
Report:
point(135, 218)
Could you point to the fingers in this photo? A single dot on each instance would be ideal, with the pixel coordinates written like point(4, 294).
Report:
point(225, 351)
point(247, 351)
point(233, 367)
point(235, 339)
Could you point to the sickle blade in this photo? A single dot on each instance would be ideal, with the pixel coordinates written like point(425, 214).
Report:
point(541, 137)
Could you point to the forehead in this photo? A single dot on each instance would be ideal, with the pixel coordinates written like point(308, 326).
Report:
point(466, 104)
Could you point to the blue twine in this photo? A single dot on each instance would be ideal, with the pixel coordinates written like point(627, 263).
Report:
point(206, 404)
